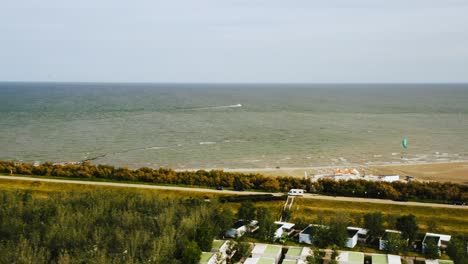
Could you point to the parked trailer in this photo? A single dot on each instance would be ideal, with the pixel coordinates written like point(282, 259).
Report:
point(296, 192)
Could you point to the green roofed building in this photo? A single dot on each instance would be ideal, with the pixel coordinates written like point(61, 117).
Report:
point(296, 253)
point(267, 251)
point(291, 261)
point(438, 261)
point(385, 259)
point(262, 260)
point(347, 257)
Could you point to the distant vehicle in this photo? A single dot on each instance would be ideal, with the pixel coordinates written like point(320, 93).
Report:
point(219, 188)
point(458, 203)
point(238, 188)
point(296, 192)
point(401, 199)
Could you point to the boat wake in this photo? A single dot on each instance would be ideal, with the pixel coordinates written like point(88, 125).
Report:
point(216, 107)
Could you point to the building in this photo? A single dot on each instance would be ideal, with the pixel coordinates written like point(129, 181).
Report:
point(347, 257)
point(292, 261)
point(438, 261)
point(297, 253)
point(261, 260)
point(352, 237)
point(385, 259)
point(307, 235)
point(383, 239)
point(267, 251)
point(284, 228)
point(240, 228)
point(355, 234)
point(440, 239)
point(353, 174)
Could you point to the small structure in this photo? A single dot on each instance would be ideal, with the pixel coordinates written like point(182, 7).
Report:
point(296, 192)
point(267, 251)
point(283, 229)
point(297, 253)
point(208, 258)
point(438, 261)
point(347, 257)
point(439, 239)
point(353, 174)
point(352, 237)
point(261, 260)
point(385, 259)
point(292, 261)
point(241, 227)
point(383, 239)
point(306, 235)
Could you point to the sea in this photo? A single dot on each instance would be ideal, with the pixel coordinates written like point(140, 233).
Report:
point(233, 126)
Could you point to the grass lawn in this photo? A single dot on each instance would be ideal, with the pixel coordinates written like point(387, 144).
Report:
point(449, 220)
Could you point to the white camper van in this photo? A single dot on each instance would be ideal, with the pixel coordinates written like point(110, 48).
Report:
point(296, 192)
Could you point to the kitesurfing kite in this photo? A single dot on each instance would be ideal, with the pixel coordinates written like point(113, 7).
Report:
point(404, 143)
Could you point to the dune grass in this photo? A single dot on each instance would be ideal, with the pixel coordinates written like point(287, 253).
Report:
point(447, 220)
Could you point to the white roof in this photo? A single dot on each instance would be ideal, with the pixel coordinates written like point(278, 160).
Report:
point(260, 248)
point(361, 231)
point(393, 259)
point(285, 224)
point(392, 231)
point(442, 237)
point(256, 260)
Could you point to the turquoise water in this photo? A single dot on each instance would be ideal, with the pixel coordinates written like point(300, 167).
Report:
point(202, 126)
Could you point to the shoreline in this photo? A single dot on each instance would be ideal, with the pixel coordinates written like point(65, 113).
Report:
point(379, 164)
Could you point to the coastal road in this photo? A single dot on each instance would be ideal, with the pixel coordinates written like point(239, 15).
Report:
point(204, 190)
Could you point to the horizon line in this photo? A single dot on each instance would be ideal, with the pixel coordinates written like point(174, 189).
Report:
point(234, 83)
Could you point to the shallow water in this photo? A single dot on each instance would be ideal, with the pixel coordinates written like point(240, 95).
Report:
point(203, 126)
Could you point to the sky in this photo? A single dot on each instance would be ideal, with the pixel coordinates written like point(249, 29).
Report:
point(248, 41)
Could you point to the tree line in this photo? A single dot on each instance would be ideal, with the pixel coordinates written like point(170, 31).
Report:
point(433, 191)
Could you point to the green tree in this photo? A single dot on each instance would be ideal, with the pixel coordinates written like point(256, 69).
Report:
point(224, 219)
point(246, 211)
point(315, 257)
point(191, 253)
point(431, 250)
point(408, 226)
point(243, 250)
point(337, 233)
point(266, 224)
point(456, 249)
point(374, 223)
point(204, 236)
point(394, 244)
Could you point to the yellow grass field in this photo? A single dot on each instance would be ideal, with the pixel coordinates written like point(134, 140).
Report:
point(448, 220)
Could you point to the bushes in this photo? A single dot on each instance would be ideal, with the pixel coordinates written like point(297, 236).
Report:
point(434, 191)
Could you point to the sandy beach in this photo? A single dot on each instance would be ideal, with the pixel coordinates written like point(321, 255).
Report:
point(456, 172)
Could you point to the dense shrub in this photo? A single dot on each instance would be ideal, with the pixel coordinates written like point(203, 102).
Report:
point(102, 227)
point(434, 191)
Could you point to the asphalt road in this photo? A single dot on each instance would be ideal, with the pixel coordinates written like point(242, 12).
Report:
point(204, 190)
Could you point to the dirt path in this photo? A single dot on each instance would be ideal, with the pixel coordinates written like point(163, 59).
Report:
point(177, 188)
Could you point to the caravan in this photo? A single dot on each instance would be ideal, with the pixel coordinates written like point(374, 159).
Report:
point(296, 192)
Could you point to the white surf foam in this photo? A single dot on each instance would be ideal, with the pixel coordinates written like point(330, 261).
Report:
point(207, 143)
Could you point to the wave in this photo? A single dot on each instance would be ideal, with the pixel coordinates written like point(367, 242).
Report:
point(216, 107)
point(207, 143)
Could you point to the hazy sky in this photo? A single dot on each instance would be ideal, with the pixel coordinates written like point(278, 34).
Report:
point(234, 41)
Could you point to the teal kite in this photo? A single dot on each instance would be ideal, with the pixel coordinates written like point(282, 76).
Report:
point(404, 143)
